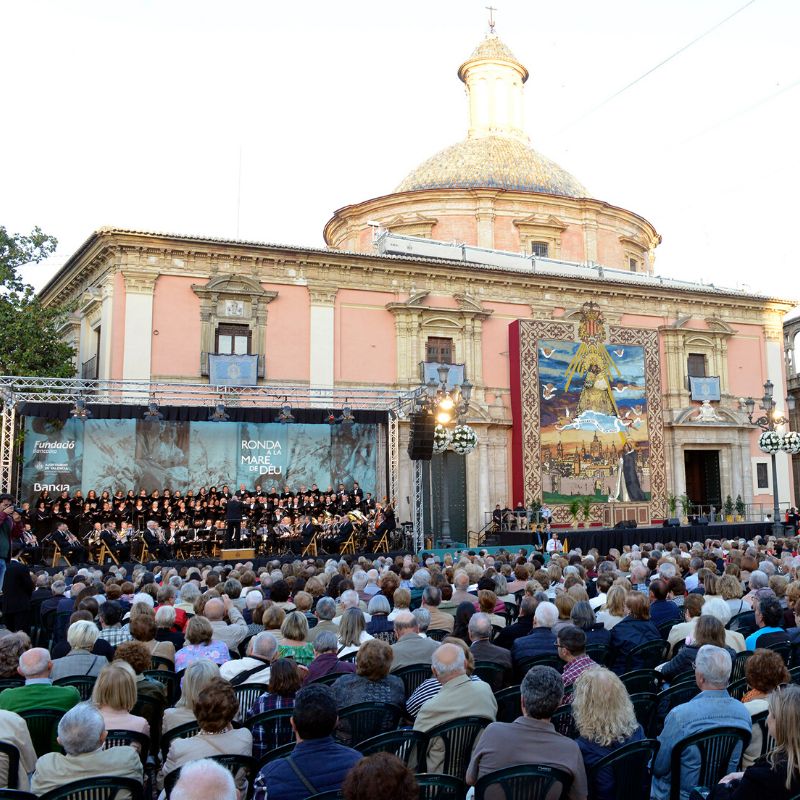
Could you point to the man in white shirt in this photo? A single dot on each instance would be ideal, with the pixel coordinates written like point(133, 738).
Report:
point(350, 599)
point(692, 580)
point(554, 545)
point(262, 650)
point(231, 633)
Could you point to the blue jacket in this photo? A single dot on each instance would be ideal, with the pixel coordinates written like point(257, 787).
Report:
point(664, 611)
point(323, 762)
point(710, 709)
point(539, 642)
point(628, 634)
point(593, 752)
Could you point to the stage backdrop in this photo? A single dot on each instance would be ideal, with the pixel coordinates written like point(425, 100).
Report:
point(587, 414)
point(132, 454)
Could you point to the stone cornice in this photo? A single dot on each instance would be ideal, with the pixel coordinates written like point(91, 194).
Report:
point(139, 282)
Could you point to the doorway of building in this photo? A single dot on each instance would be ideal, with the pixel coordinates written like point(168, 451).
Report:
point(703, 483)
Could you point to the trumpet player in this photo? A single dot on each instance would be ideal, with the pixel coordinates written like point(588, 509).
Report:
point(116, 542)
point(155, 541)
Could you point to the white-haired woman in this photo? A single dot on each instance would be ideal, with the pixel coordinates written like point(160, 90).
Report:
point(197, 676)
point(80, 661)
point(606, 721)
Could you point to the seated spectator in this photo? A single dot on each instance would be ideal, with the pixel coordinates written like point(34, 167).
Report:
point(480, 634)
point(150, 693)
point(765, 672)
point(582, 616)
point(38, 692)
point(284, 682)
point(730, 590)
point(14, 730)
point(634, 630)
point(80, 660)
point(379, 625)
point(381, 774)
point(295, 642)
point(710, 709)
point(457, 694)
point(114, 696)
point(262, 650)
point(11, 648)
point(778, 775)
point(198, 675)
point(431, 600)
point(661, 609)
point(189, 594)
point(571, 648)
point(531, 738)
point(410, 647)
point(253, 611)
point(541, 640)
point(204, 780)
point(81, 732)
point(167, 594)
point(231, 633)
point(717, 607)
point(708, 630)
point(401, 601)
point(215, 709)
point(605, 718)
point(325, 611)
point(110, 616)
point(143, 629)
point(101, 646)
point(167, 629)
point(692, 609)
point(371, 682)
point(273, 618)
point(522, 626)
point(769, 618)
point(352, 631)
point(325, 660)
point(201, 644)
point(322, 763)
point(488, 604)
point(279, 594)
point(613, 611)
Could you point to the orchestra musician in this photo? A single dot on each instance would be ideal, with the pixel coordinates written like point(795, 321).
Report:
point(116, 542)
point(31, 548)
point(155, 541)
point(69, 544)
point(233, 518)
point(307, 530)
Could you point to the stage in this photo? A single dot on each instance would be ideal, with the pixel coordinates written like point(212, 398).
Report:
point(604, 539)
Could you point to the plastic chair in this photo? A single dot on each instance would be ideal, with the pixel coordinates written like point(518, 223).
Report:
point(334, 794)
point(158, 662)
point(96, 789)
point(185, 731)
point(524, 782)
point(564, 723)
point(84, 684)
point(716, 747)
point(491, 673)
point(744, 623)
point(683, 677)
point(434, 786)
point(11, 754)
point(328, 680)
point(647, 655)
point(351, 657)
point(738, 689)
point(768, 743)
point(599, 653)
point(408, 745)
point(437, 634)
point(11, 683)
point(508, 704)
point(739, 664)
point(644, 706)
point(794, 674)
point(248, 693)
point(671, 697)
point(458, 738)
point(630, 765)
point(665, 627)
point(169, 679)
point(413, 676)
point(16, 794)
point(277, 752)
point(43, 727)
point(642, 680)
point(783, 649)
point(523, 665)
point(119, 737)
point(362, 721)
point(277, 729)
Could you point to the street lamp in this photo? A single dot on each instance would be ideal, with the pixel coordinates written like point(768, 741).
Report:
point(769, 422)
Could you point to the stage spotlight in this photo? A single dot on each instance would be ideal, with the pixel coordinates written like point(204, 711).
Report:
point(79, 410)
point(153, 414)
point(286, 414)
point(219, 414)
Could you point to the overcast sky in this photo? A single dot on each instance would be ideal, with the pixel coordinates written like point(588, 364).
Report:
point(134, 114)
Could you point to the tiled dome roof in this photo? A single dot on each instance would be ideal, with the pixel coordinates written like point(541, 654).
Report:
point(494, 162)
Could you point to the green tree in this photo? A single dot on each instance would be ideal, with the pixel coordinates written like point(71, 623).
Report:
point(30, 343)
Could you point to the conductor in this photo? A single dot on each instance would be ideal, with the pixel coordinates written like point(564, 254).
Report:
point(233, 518)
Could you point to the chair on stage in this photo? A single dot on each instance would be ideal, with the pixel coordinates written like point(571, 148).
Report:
point(382, 545)
point(104, 552)
point(350, 545)
point(58, 555)
point(311, 548)
point(144, 554)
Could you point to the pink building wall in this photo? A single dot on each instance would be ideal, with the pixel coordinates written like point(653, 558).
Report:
point(495, 341)
point(365, 338)
point(288, 344)
point(176, 317)
point(117, 331)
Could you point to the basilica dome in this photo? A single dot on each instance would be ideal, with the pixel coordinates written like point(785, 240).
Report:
point(495, 162)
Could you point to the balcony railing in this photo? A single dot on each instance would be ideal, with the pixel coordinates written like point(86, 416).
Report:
point(89, 369)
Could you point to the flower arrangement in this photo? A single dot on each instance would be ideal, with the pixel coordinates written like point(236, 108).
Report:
point(464, 440)
point(791, 442)
point(441, 439)
point(770, 442)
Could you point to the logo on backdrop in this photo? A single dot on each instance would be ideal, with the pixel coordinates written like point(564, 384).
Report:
point(260, 456)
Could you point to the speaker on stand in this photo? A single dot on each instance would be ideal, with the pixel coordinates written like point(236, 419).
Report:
point(420, 440)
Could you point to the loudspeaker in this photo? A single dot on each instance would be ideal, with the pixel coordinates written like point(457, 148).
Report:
point(626, 523)
point(420, 440)
point(672, 522)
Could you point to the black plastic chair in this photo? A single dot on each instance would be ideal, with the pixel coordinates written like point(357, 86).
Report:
point(43, 727)
point(16, 794)
point(644, 706)
point(96, 789)
point(434, 786)
point(413, 676)
point(671, 697)
point(328, 680)
point(158, 662)
point(334, 794)
point(83, 683)
point(739, 664)
point(351, 657)
point(768, 743)
point(118, 738)
point(642, 680)
point(185, 731)
point(599, 653)
point(524, 664)
point(508, 704)
point(408, 745)
point(738, 689)
point(362, 721)
point(169, 679)
point(458, 738)
point(665, 627)
point(647, 655)
point(564, 723)
point(783, 649)
point(276, 752)
point(11, 683)
point(248, 693)
point(277, 728)
point(630, 765)
point(683, 677)
point(491, 673)
point(437, 634)
point(794, 674)
point(744, 623)
point(524, 782)
point(716, 747)
point(11, 754)
point(153, 711)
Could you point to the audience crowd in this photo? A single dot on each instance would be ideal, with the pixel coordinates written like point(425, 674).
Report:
point(230, 681)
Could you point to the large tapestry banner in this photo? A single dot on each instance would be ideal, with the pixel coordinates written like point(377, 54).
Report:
point(122, 454)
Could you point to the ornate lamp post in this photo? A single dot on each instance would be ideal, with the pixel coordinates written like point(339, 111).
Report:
point(771, 441)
